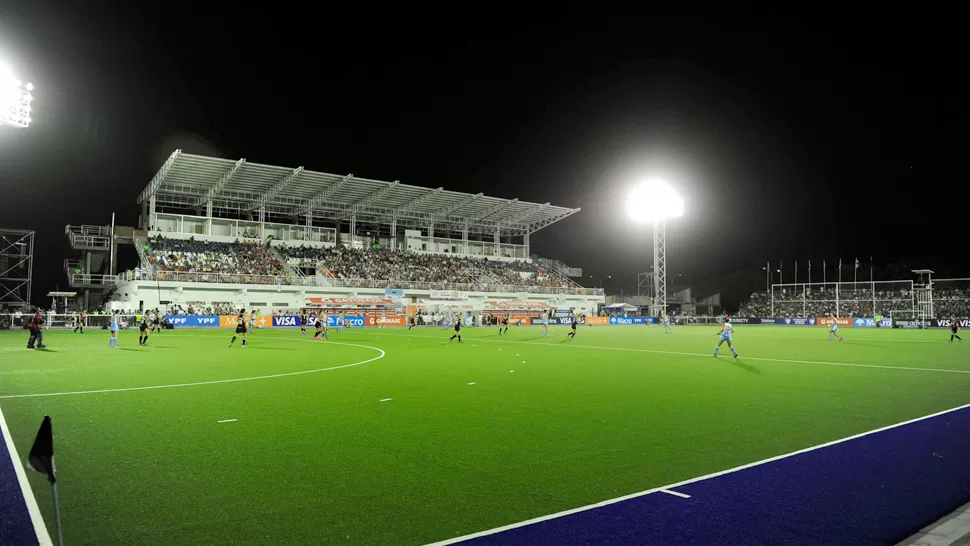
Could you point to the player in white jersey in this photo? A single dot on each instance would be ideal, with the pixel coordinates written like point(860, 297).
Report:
point(834, 329)
point(544, 332)
point(726, 333)
point(667, 327)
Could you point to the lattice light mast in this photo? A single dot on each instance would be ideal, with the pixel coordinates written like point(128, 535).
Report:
point(15, 99)
point(656, 201)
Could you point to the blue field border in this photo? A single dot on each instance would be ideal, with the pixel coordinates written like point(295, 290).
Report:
point(20, 519)
point(875, 488)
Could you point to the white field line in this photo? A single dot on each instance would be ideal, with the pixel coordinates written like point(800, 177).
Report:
point(214, 382)
point(227, 421)
point(39, 528)
point(384, 400)
point(742, 357)
point(674, 493)
point(667, 488)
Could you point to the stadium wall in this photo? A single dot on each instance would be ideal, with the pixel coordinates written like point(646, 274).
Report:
point(134, 295)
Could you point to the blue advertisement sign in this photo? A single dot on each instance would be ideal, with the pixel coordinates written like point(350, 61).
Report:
point(871, 322)
point(796, 321)
point(353, 321)
point(292, 321)
point(632, 320)
point(194, 321)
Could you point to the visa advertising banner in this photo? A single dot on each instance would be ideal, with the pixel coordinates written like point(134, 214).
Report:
point(946, 323)
point(194, 321)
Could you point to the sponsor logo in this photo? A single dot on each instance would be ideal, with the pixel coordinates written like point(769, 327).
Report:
point(946, 323)
point(395, 320)
point(286, 321)
point(194, 321)
point(828, 321)
point(597, 320)
point(621, 320)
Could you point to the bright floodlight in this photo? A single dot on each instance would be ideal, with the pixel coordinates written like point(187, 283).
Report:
point(654, 200)
point(15, 99)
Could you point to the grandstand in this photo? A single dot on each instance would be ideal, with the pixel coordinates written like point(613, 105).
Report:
point(269, 238)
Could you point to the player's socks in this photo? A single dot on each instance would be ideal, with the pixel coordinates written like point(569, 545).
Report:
point(244, 343)
point(233, 340)
point(716, 349)
point(733, 350)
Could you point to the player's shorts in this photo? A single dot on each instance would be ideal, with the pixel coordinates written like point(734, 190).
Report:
point(834, 328)
point(155, 322)
point(666, 323)
point(726, 337)
point(545, 323)
point(143, 327)
point(954, 329)
point(574, 325)
point(241, 329)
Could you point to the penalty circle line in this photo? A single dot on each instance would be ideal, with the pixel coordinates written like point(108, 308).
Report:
point(213, 382)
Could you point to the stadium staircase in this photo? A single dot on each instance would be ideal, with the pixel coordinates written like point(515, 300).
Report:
point(294, 274)
point(559, 271)
point(145, 261)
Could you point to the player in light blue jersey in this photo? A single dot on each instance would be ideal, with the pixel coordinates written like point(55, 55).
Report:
point(667, 328)
point(726, 333)
point(115, 327)
point(544, 332)
point(834, 329)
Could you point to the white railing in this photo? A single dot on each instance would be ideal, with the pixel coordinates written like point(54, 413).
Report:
point(146, 262)
point(232, 278)
point(81, 278)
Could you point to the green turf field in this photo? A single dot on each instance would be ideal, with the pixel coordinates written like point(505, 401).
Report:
point(497, 430)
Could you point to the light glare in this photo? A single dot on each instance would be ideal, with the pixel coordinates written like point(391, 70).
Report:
point(654, 200)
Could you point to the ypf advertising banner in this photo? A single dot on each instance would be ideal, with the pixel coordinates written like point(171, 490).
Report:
point(194, 321)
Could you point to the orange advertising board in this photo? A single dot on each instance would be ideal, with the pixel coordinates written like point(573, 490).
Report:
point(396, 320)
point(229, 321)
point(597, 320)
point(827, 321)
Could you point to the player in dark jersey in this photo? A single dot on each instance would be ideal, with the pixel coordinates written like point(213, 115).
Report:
point(954, 328)
point(143, 330)
point(572, 334)
point(413, 322)
point(304, 319)
point(321, 333)
point(156, 321)
point(240, 328)
point(505, 325)
point(457, 332)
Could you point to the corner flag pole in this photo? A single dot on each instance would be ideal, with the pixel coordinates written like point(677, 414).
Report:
point(41, 459)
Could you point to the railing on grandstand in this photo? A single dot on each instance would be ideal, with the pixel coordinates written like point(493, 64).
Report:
point(184, 276)
point(89, 236)
point(81, 278)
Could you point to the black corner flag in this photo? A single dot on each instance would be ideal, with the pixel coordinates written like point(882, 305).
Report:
point(41, 457)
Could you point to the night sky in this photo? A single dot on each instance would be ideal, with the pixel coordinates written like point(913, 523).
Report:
point(790, 139)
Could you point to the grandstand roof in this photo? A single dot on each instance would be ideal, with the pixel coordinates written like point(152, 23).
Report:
point(233, 187)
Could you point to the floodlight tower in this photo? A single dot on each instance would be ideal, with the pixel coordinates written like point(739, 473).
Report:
point(15, 99)
point(655, 201)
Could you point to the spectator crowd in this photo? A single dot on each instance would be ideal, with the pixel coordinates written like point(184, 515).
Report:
point(860, 303)
point(208, 261)
point(440, 271)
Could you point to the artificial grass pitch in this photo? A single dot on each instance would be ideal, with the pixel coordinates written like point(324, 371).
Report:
point(493, 431)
